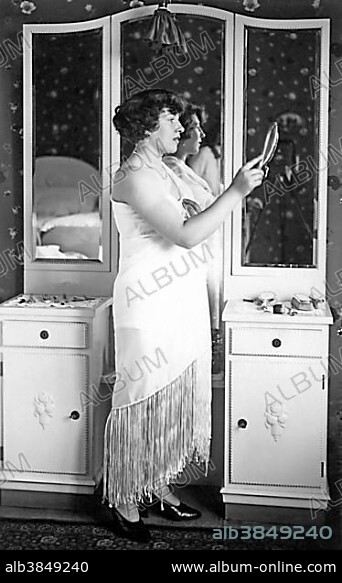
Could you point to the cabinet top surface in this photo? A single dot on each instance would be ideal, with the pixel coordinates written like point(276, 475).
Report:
point(58, 303)
point(246, 311)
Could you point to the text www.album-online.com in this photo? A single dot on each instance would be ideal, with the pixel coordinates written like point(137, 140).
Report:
point(278, 567)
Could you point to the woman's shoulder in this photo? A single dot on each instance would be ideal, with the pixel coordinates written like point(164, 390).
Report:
point(133, 179)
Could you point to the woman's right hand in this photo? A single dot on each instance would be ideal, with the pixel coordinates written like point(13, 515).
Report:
point(248, 177)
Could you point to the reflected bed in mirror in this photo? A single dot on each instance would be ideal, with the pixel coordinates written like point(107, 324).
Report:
point(279, 222)
point(66, 226)
point(66, 216)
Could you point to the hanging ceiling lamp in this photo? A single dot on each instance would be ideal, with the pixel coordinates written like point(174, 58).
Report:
point(251, 5)
point(164, 32)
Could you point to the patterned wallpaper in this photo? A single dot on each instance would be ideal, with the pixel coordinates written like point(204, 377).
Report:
point(280, 65)
point(11, 150)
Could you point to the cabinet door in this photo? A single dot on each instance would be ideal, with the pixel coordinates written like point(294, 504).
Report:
point(277, 418)
point(41, 389)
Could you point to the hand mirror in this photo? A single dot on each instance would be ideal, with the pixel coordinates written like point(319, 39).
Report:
point(268, 151)
point(270, 146)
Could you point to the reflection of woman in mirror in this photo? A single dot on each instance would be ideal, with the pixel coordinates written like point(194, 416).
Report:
point(161, 411)
point(207, 161)
point(189, 145)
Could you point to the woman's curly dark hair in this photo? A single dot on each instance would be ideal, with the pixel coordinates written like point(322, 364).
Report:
point(186, 118)
point(140, 113)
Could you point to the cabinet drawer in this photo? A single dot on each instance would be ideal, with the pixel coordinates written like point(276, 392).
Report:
point(276, 341)
point(45, 334)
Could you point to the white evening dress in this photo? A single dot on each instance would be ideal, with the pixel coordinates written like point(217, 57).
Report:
point(202, 194)
point(161, 405)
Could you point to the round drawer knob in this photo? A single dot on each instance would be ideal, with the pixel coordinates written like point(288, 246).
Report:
point(44, 334)
point(74, 415)
point(242, 423)
point(276, 342)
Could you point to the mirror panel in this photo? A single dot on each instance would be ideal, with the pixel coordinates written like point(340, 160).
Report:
point(197, 74)
point(279, 218)
point(67, 146)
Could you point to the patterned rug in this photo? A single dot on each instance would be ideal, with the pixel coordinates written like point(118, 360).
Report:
point(42, 535)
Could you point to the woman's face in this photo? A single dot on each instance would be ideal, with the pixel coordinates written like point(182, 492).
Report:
point(191, 145)
point(166, 138)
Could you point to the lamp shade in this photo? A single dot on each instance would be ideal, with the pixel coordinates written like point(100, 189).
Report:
point(164, 31)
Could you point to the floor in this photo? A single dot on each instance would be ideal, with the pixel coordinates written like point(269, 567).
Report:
point(90, 510)
point(91, 528)
point(205, 498)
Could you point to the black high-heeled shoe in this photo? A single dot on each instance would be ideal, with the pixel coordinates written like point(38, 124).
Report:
point(136, 531)
point(177, 513)
point(171, 511)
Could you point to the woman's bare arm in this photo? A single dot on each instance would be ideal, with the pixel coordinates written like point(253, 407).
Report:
point(143, 191)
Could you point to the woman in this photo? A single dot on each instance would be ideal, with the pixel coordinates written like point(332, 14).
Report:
point(161, 410)
point(189, 145)
point(207, 161)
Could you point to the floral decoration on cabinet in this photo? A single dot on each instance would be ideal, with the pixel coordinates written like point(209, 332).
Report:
point(44, 406)
point(275, 419)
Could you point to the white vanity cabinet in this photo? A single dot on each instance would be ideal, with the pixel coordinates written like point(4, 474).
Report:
point(276, 401)
point(53, 406)
point(56, 348)
point(277, 364)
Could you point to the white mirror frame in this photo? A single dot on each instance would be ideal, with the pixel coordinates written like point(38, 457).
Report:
point(241, 281)
point(90, 277)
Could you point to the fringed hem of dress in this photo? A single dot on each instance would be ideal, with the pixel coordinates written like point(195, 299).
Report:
point(147, 444)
